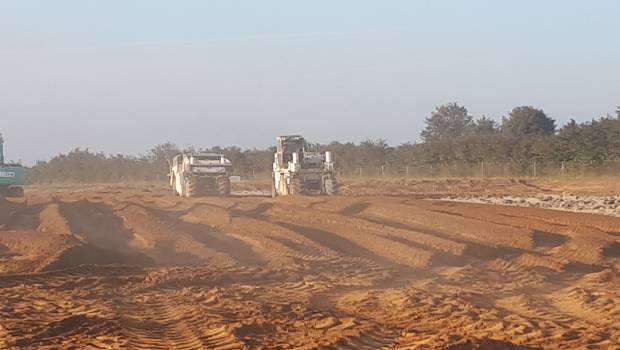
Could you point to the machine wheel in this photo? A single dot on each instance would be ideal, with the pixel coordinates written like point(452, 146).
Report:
point(14, 192)
point(223, 185)
point(331, 186)
point(295, 187)
point(173, 184)
point(274, 193)
point(192, 187)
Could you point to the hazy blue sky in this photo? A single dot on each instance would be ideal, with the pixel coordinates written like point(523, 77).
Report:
point(121, 76)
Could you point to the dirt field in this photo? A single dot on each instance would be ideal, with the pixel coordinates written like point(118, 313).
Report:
point(108, 267)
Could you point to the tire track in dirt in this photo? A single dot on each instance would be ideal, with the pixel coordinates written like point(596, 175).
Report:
point(268, 242)
point(307, 272)
point(160, 324)
point(575, 240)
point(339, 233)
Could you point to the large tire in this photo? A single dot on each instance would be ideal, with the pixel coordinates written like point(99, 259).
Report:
point(193, 187)
point(274, 192)
point(295, 186)
point(15, 192)
point(331, 186)
point(223, 186)
point(173, 184)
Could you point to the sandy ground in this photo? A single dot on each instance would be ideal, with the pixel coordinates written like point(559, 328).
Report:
point(604, 205)
point(109, 267)
point(437, 188)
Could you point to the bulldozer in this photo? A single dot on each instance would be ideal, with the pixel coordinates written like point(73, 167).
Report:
point(12, 176)
point(198, 174)
point(298, 171)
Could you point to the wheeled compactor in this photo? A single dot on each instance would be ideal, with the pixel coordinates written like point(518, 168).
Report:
point(200, 174)
point(296, 170)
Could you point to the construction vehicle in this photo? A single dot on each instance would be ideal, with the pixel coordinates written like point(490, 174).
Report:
point(12, 176)
point(200, 174)
point(296, 170)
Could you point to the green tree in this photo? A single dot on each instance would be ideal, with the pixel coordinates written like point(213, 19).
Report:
point(483, 126)
point(569, 141)
point(447, 121)
point(161, 155)
point(527, 120)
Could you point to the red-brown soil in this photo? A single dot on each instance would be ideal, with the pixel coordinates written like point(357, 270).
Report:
point(122, 267)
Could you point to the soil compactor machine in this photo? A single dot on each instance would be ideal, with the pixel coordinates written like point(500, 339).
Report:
point(200, 174)
point(12, 176)
point(299, 171)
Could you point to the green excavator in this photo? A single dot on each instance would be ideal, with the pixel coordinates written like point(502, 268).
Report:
point(12, 176)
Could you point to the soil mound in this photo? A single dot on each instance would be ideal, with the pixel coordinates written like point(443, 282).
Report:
point(122, 268)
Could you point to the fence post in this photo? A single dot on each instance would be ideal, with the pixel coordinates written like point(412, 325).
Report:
point(360, 171)
point(534, 169)
point(563, 169)
point(382, 170)
point(407, 169)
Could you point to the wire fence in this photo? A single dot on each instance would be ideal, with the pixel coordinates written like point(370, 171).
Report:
point(481, 169)
point(485, 169)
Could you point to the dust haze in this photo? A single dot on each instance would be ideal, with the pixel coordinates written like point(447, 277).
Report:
point(309, 175)
point(126, 266)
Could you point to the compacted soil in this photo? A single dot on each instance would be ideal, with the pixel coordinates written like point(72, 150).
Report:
point(129, 267)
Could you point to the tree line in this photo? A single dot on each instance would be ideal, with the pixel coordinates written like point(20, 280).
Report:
point(453, 143)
